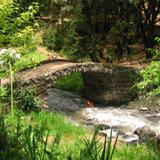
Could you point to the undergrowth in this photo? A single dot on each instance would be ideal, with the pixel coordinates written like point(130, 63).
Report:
point(73, 83)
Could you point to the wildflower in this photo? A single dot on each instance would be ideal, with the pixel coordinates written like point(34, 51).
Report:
point(13, 51)
point(11, 54)
point(18, 56)
point(2, 51)
point(1, 62)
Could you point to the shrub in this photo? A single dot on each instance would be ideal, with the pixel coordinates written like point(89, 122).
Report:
point(93, 150)
point(49, 38)
point(150, 85)
point(75, 46)
point(16, 22)
point(151, 80)
point(27, 142)
point(53, 38)
point(24, 40)
point(8, 58)
point(26, 100)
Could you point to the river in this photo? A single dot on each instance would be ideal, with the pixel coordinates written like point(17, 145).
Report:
point(124, 119)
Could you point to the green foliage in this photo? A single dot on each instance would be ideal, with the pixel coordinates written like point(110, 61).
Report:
point(8, 143)
point(138, 152)
point(73, 83)
point(18, 61)
point(151, 79)
point(75, 46)
point(17, 24)
point(150, 84)
point(93, 150)
point(107, 153)
point(8, 58)
point(57, 124)
point(24, 40)
point(27, 137)
point(26, 100)
point(49, 38)
point(26, 143)
point(29, 60)
point(53, 39)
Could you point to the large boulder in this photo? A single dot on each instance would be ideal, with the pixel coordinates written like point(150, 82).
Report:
point(145, 132)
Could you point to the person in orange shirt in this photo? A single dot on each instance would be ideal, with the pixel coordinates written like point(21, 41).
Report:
point(89, 104)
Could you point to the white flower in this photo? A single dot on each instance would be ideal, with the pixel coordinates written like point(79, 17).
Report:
point(13, 51)
point(11, 54)
point(2, 51)
point(18, 56)
point(1, 62)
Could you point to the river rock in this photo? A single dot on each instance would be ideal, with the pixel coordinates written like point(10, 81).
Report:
point(144, 132)
point(129, 139)
point(143, 109)
point(108, 133)
point(103, 126)
point(158, 102)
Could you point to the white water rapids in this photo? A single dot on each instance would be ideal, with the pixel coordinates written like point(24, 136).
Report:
point(120, 118)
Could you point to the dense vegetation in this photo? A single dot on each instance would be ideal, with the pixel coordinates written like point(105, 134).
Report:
point(100, 31)
point(86, 26)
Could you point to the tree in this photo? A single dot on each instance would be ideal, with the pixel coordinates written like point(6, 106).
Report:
point(147, 12)
point(16, 22)
point(102, 20)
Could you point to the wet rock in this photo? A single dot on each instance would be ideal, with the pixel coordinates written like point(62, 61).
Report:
point(157, 110)
point(63, 101)
point(144, 132)
point(158, 102)
point(90, 122)
point(154, 117)
point(108, 133)
point(122, 129)
point(143, 109)
point(121, 133)
point(103, 126)
point(129, 139)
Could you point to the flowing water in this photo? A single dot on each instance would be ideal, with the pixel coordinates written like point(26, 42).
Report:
point(121, 118)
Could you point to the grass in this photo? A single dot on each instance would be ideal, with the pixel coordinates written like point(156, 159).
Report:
point(55, 123)
point(72, 83)
point(30, 60)
point(73, 145)
point(49, 125)
point(137, 152)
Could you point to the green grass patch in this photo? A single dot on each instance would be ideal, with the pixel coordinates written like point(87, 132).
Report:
point(30, 60)
point(137, 152)
point(73, 83)
point(34, 128)
point(55, 123)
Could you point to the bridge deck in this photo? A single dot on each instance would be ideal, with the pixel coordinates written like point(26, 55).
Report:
point(55, 69)
point(42, 70)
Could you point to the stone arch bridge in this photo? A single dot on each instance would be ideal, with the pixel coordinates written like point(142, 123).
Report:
point(107, 84)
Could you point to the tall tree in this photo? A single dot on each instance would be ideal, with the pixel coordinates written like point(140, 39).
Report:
point(147, 15)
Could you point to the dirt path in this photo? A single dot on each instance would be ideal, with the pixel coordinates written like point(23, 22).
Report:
point(51, 55)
